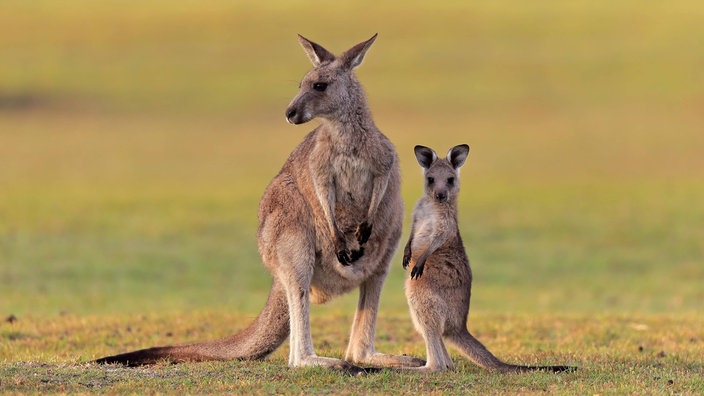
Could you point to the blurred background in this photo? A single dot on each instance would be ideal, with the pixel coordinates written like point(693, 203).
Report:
point(136, 139)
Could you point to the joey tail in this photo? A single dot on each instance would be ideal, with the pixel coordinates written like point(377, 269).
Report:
point(266, 333)
point(475, 351)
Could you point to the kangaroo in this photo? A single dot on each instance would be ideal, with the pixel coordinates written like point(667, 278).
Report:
point(329, 222)
point(438, 298)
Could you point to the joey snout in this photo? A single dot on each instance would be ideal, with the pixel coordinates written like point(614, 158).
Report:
point(440, 196)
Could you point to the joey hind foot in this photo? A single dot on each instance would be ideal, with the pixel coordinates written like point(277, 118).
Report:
point(364, 231)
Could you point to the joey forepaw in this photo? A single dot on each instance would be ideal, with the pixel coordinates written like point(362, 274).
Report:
point(344, 255)
point(406, 256)
point(357, 254)
point(417, 271)
point(364, 231)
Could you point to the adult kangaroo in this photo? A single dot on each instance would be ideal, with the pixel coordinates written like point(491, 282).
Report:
point(329, 222)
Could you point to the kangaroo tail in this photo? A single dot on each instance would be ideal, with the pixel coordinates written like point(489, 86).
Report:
point(477, 353)
point(266, 333)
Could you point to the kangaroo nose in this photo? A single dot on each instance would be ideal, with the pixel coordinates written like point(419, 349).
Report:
point(441, 196)
point(290, 113)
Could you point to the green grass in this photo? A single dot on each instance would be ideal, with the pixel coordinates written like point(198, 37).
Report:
point(616, 354)
point(136, 141)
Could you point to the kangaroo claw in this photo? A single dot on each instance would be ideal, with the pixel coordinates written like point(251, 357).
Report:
point(416, 272)
point(406, 261)
point(344, 257)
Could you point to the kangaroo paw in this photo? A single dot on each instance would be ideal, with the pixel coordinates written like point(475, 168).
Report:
point(407, 255)
point(417, 272)
point(356, 254)
point(364, 231)
point(344, 257)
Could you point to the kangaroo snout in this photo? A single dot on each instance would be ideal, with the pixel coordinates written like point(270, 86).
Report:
point(296, 116)
point(440, 196)
point(290, 115)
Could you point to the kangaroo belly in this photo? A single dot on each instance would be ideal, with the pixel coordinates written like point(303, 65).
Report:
point(444, 287)
point(327, 283)
point(330, 278)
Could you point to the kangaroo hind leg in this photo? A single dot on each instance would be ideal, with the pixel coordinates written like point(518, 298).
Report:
point(360, 349)
point(436, 353)
point(296, 260)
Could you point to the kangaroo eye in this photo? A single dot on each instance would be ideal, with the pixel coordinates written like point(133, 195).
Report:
point(431, 180)
point(320, 86)
point(451, 181)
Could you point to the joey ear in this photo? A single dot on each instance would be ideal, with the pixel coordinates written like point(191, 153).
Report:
point(354, 56)
point(315, 52)
point(425, 156)
point(457, 155)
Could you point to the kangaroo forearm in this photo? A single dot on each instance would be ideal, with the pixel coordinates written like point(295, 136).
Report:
point(428, 251)
point(407, 248)
point(330, 215)
point(378, 192)
point(325, 193)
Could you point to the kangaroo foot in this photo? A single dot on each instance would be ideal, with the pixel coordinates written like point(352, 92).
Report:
point(390, 361)
point(332, 364)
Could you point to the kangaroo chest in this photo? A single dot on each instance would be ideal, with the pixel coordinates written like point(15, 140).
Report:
point(353, 180)
point(433, 224)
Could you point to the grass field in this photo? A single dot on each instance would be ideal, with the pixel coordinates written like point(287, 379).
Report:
point(136, 141)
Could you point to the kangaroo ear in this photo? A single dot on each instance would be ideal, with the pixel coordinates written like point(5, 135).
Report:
point(315, 52)
point(457, 155)
point(354, 56)
point(425, 156)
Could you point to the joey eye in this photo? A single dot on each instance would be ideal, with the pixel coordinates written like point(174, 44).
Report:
point(451, 181)
point(320, 86)
point(431, 180)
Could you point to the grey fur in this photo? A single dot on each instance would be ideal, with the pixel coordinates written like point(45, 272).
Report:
point(439, 287)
